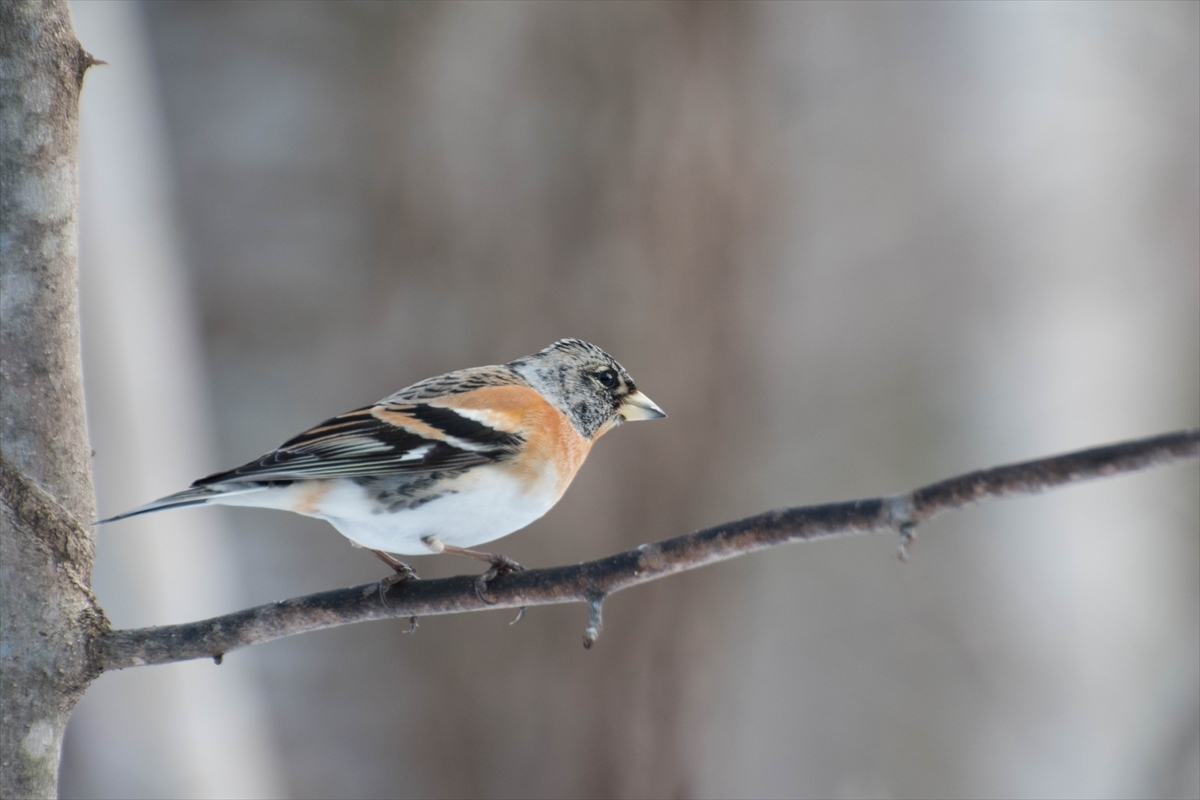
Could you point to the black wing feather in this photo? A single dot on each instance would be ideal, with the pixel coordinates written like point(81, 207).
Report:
point(454, 424)
point(359, 444)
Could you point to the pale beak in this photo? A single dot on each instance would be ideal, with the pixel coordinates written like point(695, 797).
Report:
point(638, 406)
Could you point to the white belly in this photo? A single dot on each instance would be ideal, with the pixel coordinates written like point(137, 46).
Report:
point(488, 503)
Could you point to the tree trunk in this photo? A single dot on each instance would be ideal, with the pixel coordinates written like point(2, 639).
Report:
point(47, 612)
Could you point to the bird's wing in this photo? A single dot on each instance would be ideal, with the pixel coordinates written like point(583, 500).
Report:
point(386, 439)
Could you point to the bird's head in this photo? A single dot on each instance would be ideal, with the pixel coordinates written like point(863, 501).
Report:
point(587, 384)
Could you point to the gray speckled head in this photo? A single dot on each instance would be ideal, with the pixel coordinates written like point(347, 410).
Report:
point(581, 380)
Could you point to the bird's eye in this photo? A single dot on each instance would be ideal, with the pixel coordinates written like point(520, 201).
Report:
point(607, 378)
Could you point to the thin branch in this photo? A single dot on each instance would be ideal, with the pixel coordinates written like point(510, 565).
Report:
point(592, 581)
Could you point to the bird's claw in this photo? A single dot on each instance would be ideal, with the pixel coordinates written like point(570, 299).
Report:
point(501, 565)
point(402, 574)
point(908, 535)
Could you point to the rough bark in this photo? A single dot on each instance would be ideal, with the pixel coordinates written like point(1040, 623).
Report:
point(47, 612)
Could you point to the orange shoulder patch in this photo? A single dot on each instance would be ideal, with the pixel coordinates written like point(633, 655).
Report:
point(551, 441)
point(504, 408)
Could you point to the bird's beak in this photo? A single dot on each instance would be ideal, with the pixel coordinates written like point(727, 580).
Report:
point(638, 406)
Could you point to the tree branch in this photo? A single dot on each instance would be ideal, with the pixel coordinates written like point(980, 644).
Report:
point(592, 581)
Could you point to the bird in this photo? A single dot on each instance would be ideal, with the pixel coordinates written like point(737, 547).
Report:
point(445, 465)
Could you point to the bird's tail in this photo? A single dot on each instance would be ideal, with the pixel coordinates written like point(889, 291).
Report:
point(192, 496)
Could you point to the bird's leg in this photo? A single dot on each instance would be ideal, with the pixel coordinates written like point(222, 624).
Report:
point(501, 565)
point(403, 572)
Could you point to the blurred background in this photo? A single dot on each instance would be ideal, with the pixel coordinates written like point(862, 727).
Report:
point(851, 248)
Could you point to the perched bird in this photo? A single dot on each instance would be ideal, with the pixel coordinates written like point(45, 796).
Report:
point(447, 464)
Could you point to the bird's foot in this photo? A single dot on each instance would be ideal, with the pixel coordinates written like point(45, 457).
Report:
point(401, 573)
point(501, 565)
